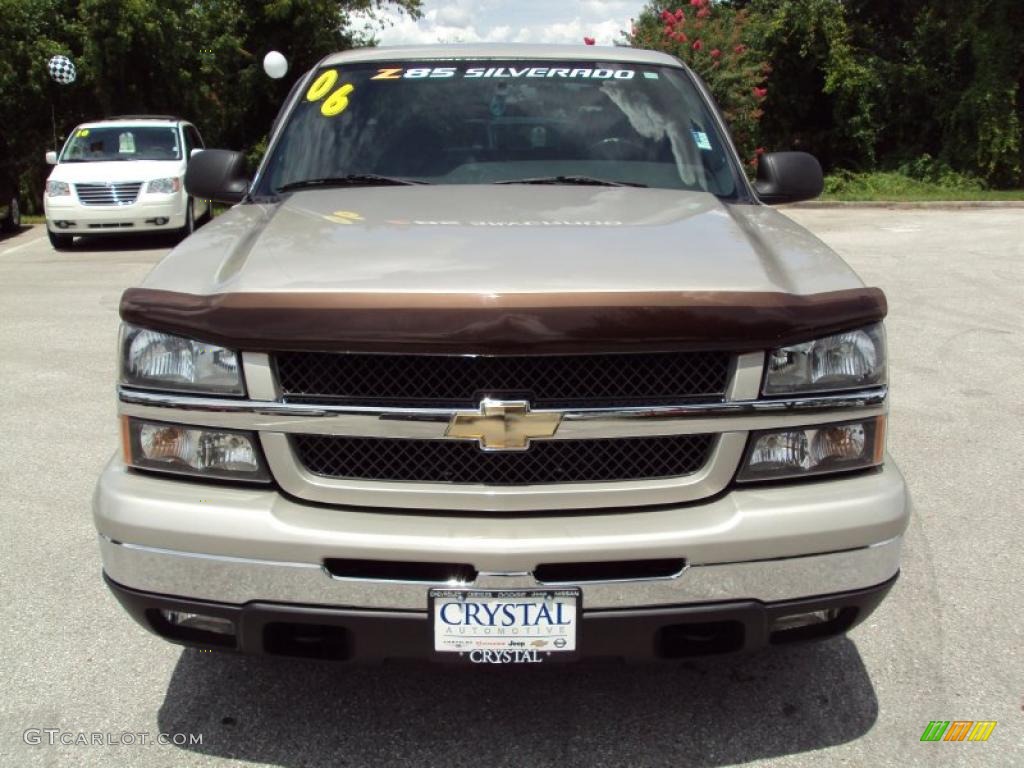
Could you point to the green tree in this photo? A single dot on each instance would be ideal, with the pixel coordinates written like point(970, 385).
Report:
point(236, 98)
point(921, 85)
point(714, 41)
point(32, 31)
point(959, 66)
point(200, 59)
point(825, 93)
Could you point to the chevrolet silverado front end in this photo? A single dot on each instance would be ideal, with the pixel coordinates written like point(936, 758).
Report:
point(500, 359)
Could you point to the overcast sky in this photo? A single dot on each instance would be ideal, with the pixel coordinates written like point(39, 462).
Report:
point(520, 21)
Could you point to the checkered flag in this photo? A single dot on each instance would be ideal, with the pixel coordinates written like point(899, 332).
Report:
point(62, 69)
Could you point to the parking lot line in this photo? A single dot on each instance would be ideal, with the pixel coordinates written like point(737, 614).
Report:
point(19, 247)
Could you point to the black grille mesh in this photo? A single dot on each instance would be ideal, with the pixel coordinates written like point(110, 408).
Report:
point(547, 382)
point(546, 461)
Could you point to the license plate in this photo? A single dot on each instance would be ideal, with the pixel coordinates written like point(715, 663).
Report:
point(517, 626)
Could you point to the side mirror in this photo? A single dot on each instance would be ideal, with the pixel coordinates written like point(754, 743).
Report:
point(788, 177)
point(217, 174)
point(51, 158)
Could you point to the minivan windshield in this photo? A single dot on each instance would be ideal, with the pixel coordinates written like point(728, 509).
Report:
point(106, 143)
point(489, 121)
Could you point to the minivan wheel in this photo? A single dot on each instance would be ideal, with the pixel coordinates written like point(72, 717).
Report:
point(13, 219)
point(190, 220)
point(60, 242)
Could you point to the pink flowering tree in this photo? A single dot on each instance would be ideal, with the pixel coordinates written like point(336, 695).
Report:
point(714, 41)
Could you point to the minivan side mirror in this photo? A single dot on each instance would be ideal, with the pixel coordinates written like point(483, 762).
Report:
point(217, 174)
point(788, 177)
point(51, 157)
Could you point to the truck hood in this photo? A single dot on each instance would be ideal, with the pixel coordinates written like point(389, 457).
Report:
point(501, 240)
point(501, 269)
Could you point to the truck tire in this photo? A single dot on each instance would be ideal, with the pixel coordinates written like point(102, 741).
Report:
point(12, 222)
point(190, 220)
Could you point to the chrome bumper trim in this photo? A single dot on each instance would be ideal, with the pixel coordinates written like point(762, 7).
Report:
point(431, 423)
point(239, 580)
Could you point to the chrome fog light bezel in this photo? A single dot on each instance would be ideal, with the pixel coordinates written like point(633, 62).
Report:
point(199, 621)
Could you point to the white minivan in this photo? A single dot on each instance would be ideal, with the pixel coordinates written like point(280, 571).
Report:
point(122, 175)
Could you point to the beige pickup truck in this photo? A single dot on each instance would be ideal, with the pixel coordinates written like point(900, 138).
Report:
point(500, 358)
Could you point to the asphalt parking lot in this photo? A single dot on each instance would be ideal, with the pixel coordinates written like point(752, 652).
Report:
point(946, 645)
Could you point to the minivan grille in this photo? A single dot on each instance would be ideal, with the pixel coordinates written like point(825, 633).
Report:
point(556, 381)
point(546, 461)
point(110, 193)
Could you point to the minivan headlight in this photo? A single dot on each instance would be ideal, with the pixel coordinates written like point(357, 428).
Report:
point(164, 186)
point(155, 360)
point(843, 361)
point(57, 188)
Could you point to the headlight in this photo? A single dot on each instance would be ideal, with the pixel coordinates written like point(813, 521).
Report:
point(187, 450)
point(157, 360)
point(164, 186)
point(57, 188)
point(845, 361)
point(787, 453)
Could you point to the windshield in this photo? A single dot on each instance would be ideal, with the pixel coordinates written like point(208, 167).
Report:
point(122, 143)
point(480, 122)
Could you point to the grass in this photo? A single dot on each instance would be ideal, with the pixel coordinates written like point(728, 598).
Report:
point(892, 186)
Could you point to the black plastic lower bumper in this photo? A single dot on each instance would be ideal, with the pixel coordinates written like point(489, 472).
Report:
point(347, 634)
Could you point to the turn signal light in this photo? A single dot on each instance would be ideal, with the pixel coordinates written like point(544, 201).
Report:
point(188, 450)
point(818, 450)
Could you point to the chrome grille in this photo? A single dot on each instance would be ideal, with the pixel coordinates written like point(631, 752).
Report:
point(557, 381)
point(546, 461)
point(111, 193)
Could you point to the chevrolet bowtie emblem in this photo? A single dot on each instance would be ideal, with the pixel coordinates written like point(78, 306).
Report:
point(503, 425)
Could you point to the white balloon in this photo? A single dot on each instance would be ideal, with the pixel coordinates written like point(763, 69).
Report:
point(275, 64)
point(62, 69)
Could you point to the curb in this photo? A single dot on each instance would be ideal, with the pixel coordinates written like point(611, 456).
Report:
point(942, 205)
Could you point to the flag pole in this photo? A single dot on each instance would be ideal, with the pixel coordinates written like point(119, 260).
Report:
point(53, 118)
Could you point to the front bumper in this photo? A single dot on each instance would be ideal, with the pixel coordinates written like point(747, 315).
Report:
point(66, 216)
point(241, 581)
point(239, 545)
point(342, 634)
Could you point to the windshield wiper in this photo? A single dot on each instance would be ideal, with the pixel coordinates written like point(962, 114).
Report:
point(581, 180)
point(350, 180)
